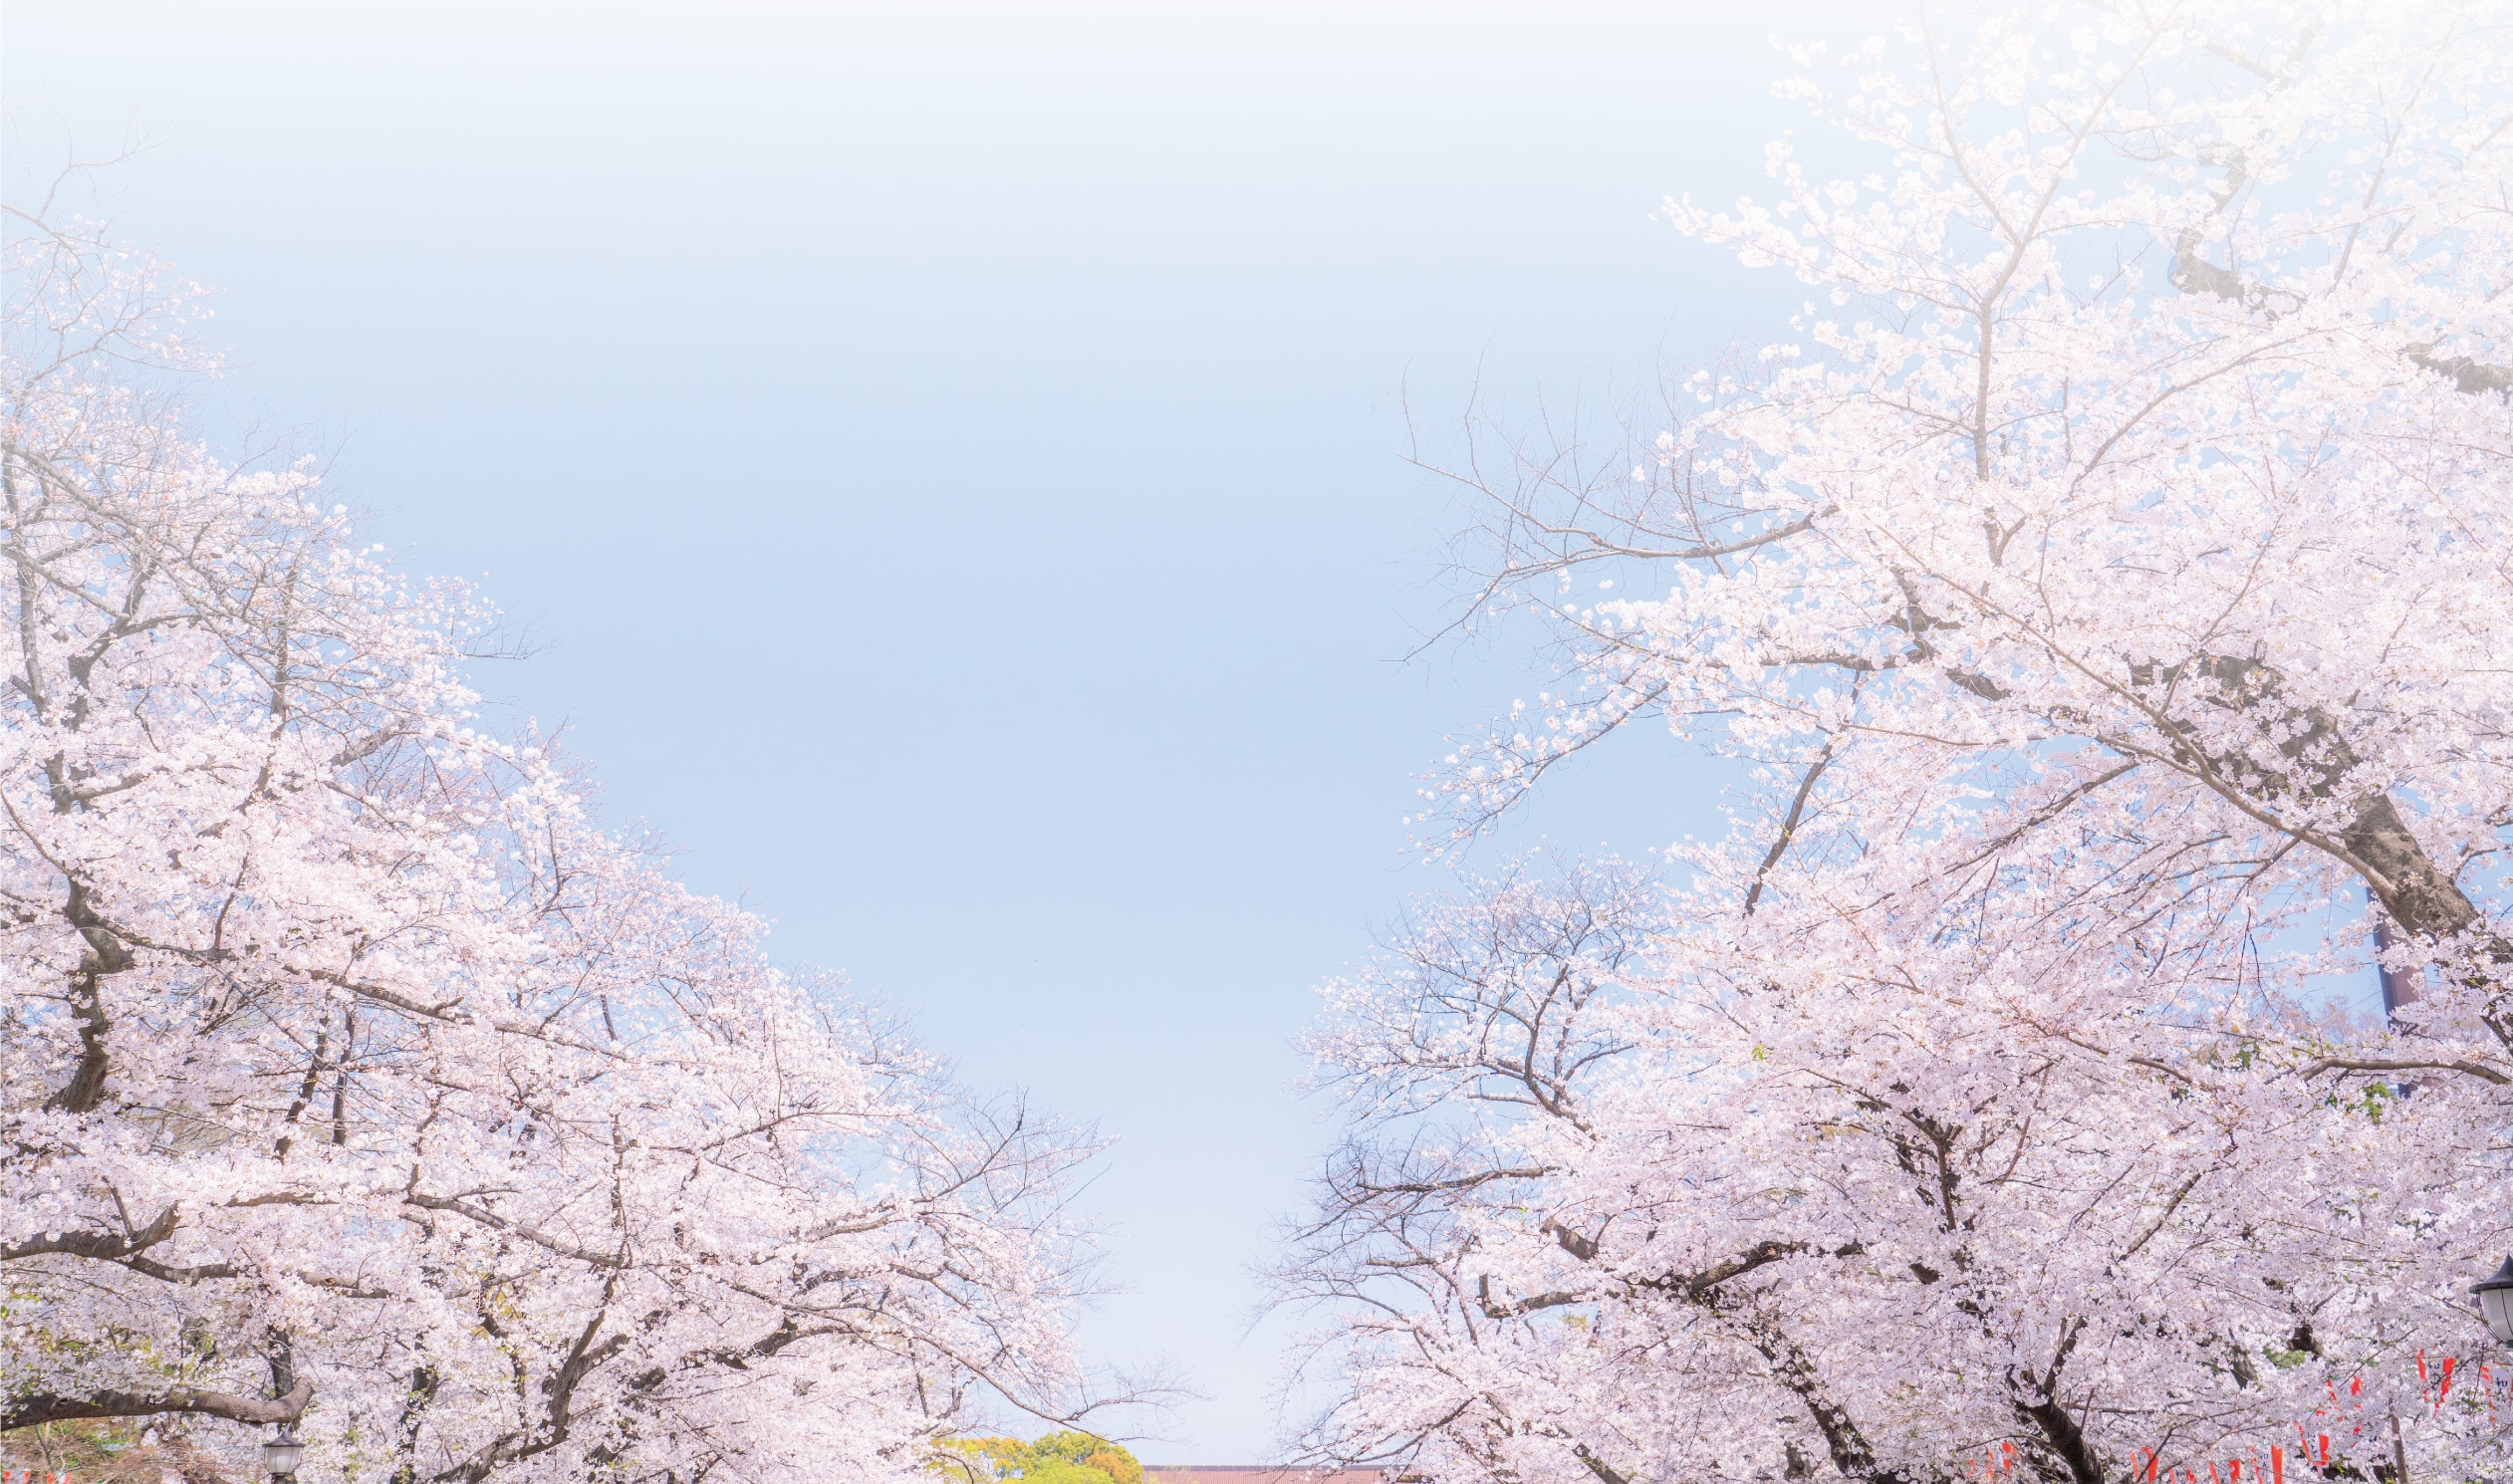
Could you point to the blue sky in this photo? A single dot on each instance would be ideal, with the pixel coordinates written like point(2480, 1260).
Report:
point(953, 456)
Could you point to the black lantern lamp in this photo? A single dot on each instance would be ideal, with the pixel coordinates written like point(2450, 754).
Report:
point(283, 1452)
point(2495, 1301)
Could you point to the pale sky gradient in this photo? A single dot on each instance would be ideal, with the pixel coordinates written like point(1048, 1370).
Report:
point(955, 453)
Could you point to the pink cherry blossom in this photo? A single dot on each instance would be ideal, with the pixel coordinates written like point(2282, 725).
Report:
point(352, 1075)
point(2107, 587)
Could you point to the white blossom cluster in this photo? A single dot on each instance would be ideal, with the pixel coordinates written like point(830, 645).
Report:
point(350, 1076)
point(2110, 592)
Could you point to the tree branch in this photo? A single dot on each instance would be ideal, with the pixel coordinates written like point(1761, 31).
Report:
point(41, 1408)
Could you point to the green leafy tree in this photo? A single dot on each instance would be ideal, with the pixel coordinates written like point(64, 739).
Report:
point(1057, 1458)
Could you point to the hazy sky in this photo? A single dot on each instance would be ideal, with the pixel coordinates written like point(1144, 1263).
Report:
point(954, 457)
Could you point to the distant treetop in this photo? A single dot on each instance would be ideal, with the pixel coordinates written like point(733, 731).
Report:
point(1057, 1458)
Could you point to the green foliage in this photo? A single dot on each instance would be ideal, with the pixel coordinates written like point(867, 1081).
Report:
point(1057, 1458)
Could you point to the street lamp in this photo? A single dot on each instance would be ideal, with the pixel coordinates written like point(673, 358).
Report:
point(2495, 1301)
point(283, 1452)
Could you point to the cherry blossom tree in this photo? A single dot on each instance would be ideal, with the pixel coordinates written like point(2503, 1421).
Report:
point(352, 1076)
point(2106, 589)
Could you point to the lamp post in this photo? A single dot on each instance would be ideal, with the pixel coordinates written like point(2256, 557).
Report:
point(2495, 1301)
point(283, 1452)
